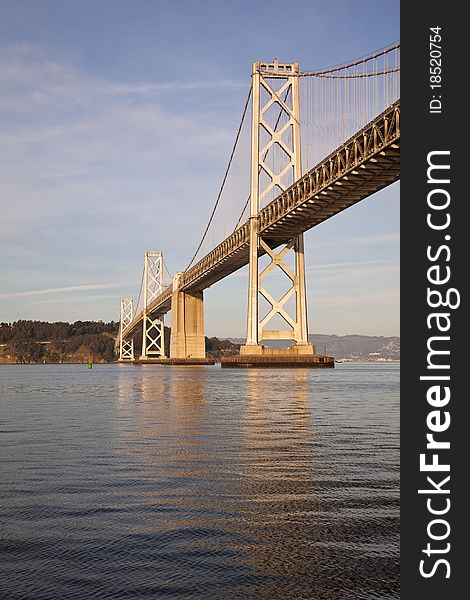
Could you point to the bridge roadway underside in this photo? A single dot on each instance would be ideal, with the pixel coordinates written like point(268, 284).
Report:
point(365, 164)
point(345, 192)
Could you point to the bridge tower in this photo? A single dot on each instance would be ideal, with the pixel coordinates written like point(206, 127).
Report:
point(275, 129)
point(153, 333)
point(126, 348)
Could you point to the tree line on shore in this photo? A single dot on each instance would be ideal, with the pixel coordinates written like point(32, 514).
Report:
point(27, 341)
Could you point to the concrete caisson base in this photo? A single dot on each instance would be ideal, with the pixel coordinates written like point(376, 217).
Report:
point(296, 356)
point(191, 361)
point(174, 361)
point(294, 350)
point(288, 361)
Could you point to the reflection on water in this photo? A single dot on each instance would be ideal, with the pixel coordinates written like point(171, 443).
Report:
point(180, 482)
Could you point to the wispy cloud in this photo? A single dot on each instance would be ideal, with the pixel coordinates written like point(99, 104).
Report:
point(35, 79)
point(360, 263)
point(74, 145)
point(360, 240)
point(87, 298)
point(91, 166)
point(176, 86)
point(367, 301)
point(68, 289)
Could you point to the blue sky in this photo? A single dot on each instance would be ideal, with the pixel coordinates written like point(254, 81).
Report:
point(117, 118)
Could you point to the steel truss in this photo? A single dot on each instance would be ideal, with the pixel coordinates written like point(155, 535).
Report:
point(126, 347)
point(275, 91)
point(153, 334)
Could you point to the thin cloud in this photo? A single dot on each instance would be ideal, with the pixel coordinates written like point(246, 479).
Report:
point(91, 298)
point(334, 268)
point(348, 265)
point(70, 288)
point(175, 86)
point(366, 301)
point(360, 240)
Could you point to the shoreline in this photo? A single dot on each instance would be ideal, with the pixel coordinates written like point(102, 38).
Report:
point(115, 362)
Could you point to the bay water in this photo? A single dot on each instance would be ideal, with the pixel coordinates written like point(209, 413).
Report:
point(155, 481)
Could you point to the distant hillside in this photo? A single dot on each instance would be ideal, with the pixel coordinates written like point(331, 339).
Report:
point(357, 347)
point(351, 347)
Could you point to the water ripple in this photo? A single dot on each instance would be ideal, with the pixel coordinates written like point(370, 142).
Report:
point(159, 482)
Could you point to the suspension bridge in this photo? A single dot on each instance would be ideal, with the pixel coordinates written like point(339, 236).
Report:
point(320, 142)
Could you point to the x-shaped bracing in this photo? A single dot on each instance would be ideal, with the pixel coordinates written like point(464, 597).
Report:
point(275, 137)
point(154, 337)
point(278, 306)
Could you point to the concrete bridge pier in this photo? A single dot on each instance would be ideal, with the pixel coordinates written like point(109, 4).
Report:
point(187, 323)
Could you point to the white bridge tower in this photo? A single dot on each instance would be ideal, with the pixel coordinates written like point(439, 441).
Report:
point(126, 347)
point(275, 165)
point(153, 333)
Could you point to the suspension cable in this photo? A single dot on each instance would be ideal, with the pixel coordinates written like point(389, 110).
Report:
point(223, 182)
point(168, 272)
point(359, 61)
point(359, 76)
point(140, 293)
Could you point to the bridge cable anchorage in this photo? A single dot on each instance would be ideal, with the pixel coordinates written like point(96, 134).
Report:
point(264, 158)
point(224, 180)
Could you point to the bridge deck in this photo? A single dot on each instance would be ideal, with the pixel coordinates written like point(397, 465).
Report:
point(363, 165)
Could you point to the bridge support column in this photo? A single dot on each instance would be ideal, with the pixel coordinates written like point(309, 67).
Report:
point(274, 167)
point(187, 323)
